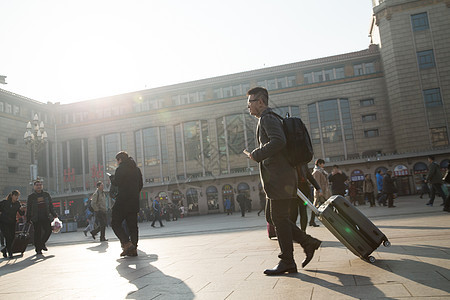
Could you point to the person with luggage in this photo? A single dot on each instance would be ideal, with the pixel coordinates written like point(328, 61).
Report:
point(98, 203)
point(368, 189)
point(321, 176)
point(435, 179)
point(128, 179)
point(297, 205)
point(157, 212)
point(338, 180)
point(279, 181)
point(389, 188)
point(39, 208)
point(8, 211)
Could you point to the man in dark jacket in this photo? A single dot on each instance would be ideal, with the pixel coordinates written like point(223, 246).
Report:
point(435, 179)
point(128, 179)
point(279, 180)
point(389, 188)
point(338, 181)
point(242, 200)
point(39, 209)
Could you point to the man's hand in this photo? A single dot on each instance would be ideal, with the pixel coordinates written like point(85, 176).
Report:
point(249, 155)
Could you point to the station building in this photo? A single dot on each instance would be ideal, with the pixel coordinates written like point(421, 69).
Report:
point(384, 107)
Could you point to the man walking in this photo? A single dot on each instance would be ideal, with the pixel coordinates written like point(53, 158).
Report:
point(98, 203)
point(39, 207)
point(279, 180)
point(128, 179)
point(435, 179)
point(338, 181)
point(156, 212)
point(242, 200)
point(389, 188)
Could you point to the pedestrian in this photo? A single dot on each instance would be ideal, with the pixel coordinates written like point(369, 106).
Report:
point(262, 200)
point(338, 181)
point(98, 203)
point(389, 188)
point(242, 200)
point(435, 179)
point(424, 188)
point(90, 219)
point(381, 198)
point(157, 212)
point(228, 206)
point(279, 180)
point(446, 179)
point(321, 176)
point(128, 179)
point(353, 192)
point(39, 208)
point(297, 205)
point(368, 189)
point(8, 211)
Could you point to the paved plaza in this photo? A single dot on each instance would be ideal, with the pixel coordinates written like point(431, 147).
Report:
point(223, 257)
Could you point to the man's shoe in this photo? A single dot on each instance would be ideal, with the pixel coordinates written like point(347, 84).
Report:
point(132, 252)
point(309, 251)
point(314, 225)
point(153, 225)
point(93, 235)
point(44, 248)
point(38, 252)
point(392, 206)
point(4, 252)
point(127, 247)
point(429, 204)
point(85, 233)
point(103, 240)
point(282, 268)
point(162, 225)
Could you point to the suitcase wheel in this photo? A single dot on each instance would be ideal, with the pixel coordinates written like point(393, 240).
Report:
point(386, 243)
point(372, 259)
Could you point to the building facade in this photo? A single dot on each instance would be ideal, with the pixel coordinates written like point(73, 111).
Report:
point(384, 107)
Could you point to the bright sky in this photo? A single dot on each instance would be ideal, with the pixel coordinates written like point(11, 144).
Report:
point(70, 50)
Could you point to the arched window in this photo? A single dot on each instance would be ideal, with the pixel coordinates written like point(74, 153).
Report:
point(212, 197)
point(383, 170)
point(420, 168)
point(177, 197)
point(192, 199)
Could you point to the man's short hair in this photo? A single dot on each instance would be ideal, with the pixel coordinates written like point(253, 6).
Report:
point(336, 166)
point(260, 93)
point(431, 157)
point(99, 183)
point(122, 155)
point(319, 161)
point(37, 181)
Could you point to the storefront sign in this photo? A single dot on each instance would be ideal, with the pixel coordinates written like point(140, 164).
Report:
point(401, 170)
point(357, 175)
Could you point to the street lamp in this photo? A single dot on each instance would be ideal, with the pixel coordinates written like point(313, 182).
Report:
point(35, 137)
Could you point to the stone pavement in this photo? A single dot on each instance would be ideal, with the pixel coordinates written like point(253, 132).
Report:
point(222, 257)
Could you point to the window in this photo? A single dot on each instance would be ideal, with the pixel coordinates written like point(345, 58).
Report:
point(425, 59)
point(432, 97)
point(12, 155)
point(16, 110)
point(364, 68)
point(439, 136)
point(419, 22)
point(271, 84)
point(307, 78)
point(12, 141)
point(368, 118)
point(371, 133)
point(339, 73)
point(8, 108)
point(366, 102)
point(217, 93)
point(12, 169)
point(292, 81)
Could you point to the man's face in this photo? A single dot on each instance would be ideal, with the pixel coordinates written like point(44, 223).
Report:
point(38, 187)
point(322, 165)
point(100, 187)
point(254, 105)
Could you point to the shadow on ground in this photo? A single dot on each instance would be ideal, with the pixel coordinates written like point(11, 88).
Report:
point(150, 282)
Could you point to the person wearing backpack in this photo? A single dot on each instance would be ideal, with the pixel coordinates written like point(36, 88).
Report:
point(279, 181)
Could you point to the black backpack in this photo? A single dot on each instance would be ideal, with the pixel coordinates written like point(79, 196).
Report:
point(299, 148)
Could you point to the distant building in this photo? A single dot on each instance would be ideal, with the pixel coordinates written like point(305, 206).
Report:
point(383, 107)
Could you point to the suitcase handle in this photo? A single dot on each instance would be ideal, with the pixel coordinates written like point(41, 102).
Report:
point(308, 202)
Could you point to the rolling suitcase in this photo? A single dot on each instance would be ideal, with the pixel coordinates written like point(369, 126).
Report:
point(21, 239)
point(351, 227)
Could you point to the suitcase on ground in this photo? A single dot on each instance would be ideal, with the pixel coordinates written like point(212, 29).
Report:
point(351, 227)
point(271, 231)
point(21, 239)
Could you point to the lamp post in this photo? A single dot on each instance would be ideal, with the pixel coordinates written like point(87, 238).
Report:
point(35, 137)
